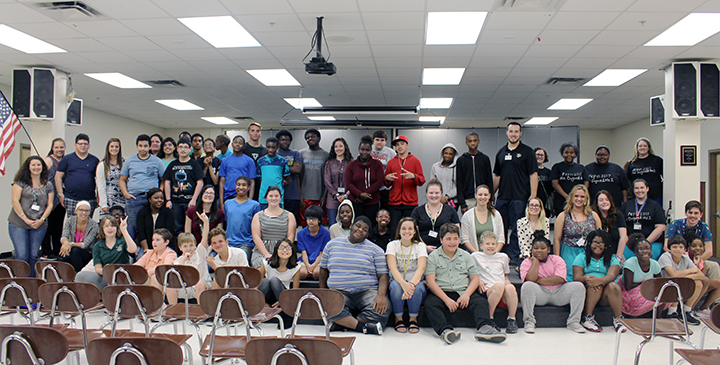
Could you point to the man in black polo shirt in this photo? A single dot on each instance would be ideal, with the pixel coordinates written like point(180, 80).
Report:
point(516, 178)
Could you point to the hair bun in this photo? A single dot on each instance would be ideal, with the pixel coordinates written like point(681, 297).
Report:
point(539, 234)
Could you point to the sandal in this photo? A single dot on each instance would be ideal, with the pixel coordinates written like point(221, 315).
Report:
point(400, 327)
point(413, 327)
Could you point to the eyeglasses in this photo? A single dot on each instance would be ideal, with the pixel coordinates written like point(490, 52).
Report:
point(82, 143)
point(284, 248)
point(209, 193)
point(534, 205)
point(598, 243)
point(84, 210)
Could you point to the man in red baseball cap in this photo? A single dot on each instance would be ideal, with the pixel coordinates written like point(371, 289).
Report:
point(403, 175)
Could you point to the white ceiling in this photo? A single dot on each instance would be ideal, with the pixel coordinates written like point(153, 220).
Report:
point(382, 65)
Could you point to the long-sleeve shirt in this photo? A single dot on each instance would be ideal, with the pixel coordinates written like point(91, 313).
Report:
point(334, 181)
point(364, 178)
point(404, 191)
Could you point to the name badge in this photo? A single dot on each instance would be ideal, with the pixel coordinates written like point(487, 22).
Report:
point(508, 157)
point(433, 234)
point(341, 190)
point(637, 226)
point(581, 242)
point(35, 207)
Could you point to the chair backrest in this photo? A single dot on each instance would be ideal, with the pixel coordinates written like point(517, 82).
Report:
point(128, 350)
point(55, 271)
point(332, 302)
point(63, 296)
point(189, 274)
point(287, 351)
point(118, 274)
point(252, 301)
point(149, 297)
point(13, 289)
point(250, 275)
point(715, 316)
point(14, 269)
point(650, 289)
point(21, 343)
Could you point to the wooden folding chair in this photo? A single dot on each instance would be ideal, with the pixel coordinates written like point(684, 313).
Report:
point(14, 269)
point(29, 345)
point(228, 305)
point(124, 274)
point(317, 304)
point(292, 351)
point(134, 350)
point(19, 294)
point(55, 271)
point(660, 291)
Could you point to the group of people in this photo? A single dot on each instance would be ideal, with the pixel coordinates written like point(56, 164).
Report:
point(216, 202)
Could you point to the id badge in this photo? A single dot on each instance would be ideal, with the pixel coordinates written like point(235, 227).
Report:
point(581, 242)
point(637, 226)
point(433, 234)
point(341, 190)
point(35, 207)
point(508, 157)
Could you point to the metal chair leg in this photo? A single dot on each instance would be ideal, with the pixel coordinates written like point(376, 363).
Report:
point(671, 354)
point(617, 347)
point(639, 350)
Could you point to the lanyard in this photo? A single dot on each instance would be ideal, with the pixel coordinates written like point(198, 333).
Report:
point(405, 259)
point(638, 211)
point(432, 220)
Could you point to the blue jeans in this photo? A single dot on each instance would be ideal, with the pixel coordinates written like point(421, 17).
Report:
point(26, 243)
point(511, 211)
point(248, 251)
point(271, 288)
point(179, 210)
point(332, 216)
point(132, 207)
point(396, 292)
point(362, 301)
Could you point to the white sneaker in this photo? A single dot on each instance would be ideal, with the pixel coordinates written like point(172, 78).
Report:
point(701, 313)
point(591, 324)
point(529, 327)
point(575, 326)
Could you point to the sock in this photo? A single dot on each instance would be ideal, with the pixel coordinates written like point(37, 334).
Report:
point(359, 327)
point(672, 310)
point(687, 308)
point(511, 317)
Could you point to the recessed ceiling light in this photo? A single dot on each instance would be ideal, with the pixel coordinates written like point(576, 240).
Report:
point(541, 120)
point(219, 120)
point(689, 31)
point(432, 119)
point(298, 103)
point(274, 77)
point(614, 77)
point(119, 80)
point(435, 103)
point(14, 38)
point(569, 104)
point(454, 27)
point(221, 31)
point(179, 104)
point(327, 118)
point(442, 76)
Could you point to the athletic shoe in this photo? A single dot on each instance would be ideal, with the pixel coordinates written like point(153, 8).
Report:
point(334, 327)
point(619, 327)
point(691, 320)
point(373, 329)
point(489, 333)
point(50, 257)
point(701, 313)
point(674, 315)
point(530, 327)
point(450, 336)
point(512, 326)
point(575, 326)
point(591, 324)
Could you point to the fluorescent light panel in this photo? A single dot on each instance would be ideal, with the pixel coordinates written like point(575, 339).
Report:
point(540, 120)
point(442, 76)
point(274, 77)
point(321, 118)
point(454, 27)
point(179, 104)
point(435, 103)
point(23, 42)
point(614, 77)
point(569, 104)
point(299, 103)
point(689, 31)
point(219, 120)
point(221, 31)
point(432, 119)
point(119, 80)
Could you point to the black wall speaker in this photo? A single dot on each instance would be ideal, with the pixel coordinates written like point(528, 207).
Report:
point(657, 110)
point(43, 93)
point(74, 112)
point(709, 90)
point(684, 90)
point(21, 84)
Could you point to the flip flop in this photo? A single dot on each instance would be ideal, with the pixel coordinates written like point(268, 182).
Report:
point(413, 327)
point(400, 327)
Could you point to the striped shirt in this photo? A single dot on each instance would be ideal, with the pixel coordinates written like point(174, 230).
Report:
point(353, 267)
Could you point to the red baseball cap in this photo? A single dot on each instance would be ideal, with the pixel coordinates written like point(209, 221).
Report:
point(399, 138)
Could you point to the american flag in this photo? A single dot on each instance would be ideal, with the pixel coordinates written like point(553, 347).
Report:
point(10, 125)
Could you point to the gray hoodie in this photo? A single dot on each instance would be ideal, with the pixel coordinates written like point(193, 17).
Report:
point(446, 175)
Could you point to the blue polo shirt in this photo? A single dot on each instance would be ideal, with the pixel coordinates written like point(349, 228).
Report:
point(596, 267)
point(142, 175)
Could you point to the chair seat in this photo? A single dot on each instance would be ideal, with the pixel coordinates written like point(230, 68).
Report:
point(708, 322)
point(98, 306)
point(179, 339)
point(225, 346)
point(664, 327)
point(700, 357)
point(75, 337)
point(177, 311)
point(344, 343)
point(266, 314)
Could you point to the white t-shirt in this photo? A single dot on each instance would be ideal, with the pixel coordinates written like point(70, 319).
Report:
point(286, 277)
point(236, 257)
point(407, 257)
point(197, 260)
point(492, 268)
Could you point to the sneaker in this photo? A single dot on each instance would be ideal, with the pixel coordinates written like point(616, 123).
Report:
point(512, 326)
point(674, 315)
point(691, 320)
point(591, 324)
point(373, 329)
point(50, 257)
point(450, 336)
point(575, 326)
point(530, 327)
point(489, 333)
point(701, 313)
point(619, 327)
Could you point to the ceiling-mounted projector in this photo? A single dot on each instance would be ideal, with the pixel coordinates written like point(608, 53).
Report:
point(318, 65)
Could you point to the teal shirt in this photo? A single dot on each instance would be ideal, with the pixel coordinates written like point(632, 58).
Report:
point(451, 274)
point(596, 267)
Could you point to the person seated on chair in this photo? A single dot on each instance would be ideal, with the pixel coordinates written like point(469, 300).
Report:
point(78, 237)
point(226, 255)
point(696, 250)
point(114, 246)
point(160, 254)
point(357, 268)
point(193, 255)
point(311, 242)
point(452, 278)
point(279, 272)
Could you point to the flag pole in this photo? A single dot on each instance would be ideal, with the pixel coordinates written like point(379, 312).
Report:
point(21, 123)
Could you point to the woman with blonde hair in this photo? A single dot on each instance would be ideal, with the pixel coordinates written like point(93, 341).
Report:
point(107, 177)
point(573, 225)
point(533, 221)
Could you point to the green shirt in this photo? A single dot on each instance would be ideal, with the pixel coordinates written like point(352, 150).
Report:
point(480, 228)
point(452, 275)
point(116, 255)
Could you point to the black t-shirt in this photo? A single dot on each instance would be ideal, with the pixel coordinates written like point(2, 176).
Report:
point(615, 230)
point(183, 178)
point(514, 168)
point(215, 165)
point(650, 214)
point(651, 170)
point(381, 240)
point(567, 176)
point(544, 188)
point(447, 215)
point(610, 177)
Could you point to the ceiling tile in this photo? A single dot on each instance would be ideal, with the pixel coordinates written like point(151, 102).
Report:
point(568, 20)
point(561, 37)
point(191, 8)
point(393, 21)
point(396, 37)
point(129, 9)
point(512, 20)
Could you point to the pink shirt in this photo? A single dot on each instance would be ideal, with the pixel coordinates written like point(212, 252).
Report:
point(150, 260)
point(79, 236)
point(553, 266)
